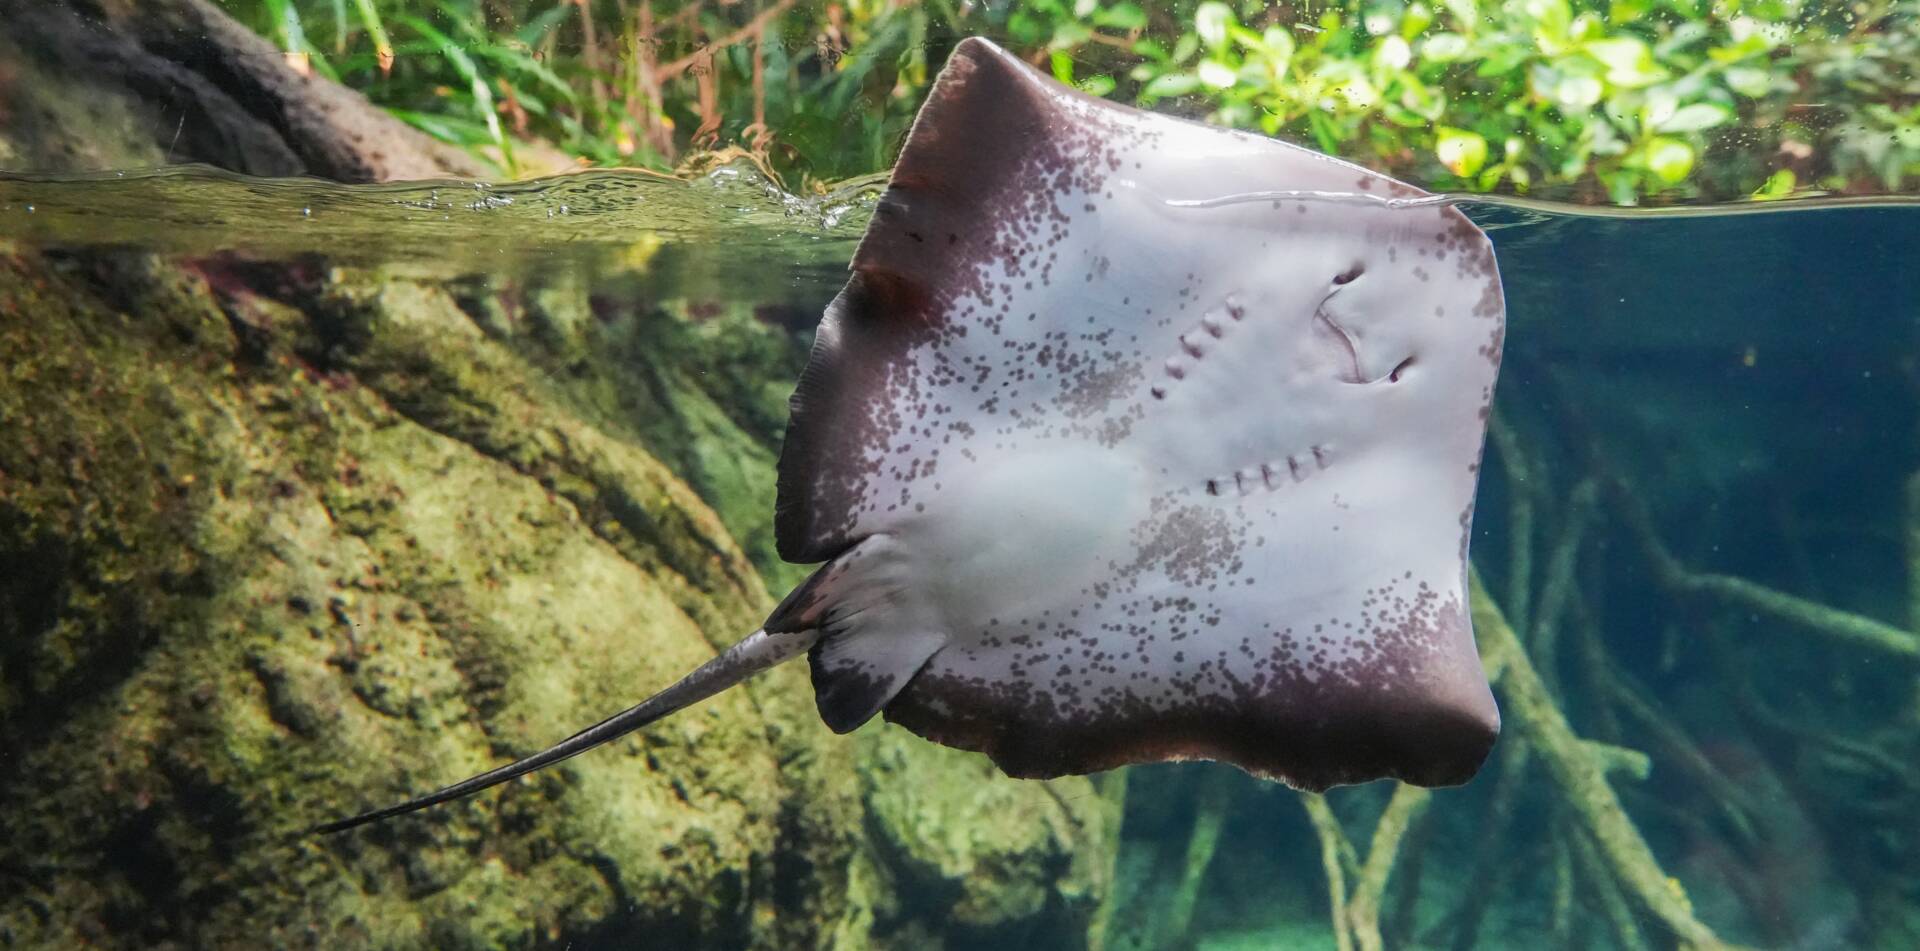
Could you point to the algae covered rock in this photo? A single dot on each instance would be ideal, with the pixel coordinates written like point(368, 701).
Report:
point(1000, 861)
point(281, 541)
point(278, 551)
point(264, 594)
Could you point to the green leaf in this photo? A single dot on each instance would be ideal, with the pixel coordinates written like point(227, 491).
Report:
point(1502, 61)
point(1577, 93)
point(518, 60)
point(1552, 20)
point(1416, 20)
point(1243, 36)
point(286, 25)
point(1622, 188)
point(1585, 27)
point(1096, 85)
point(1754, 44)
point(537, 28)
point(1358, 91)
point(1069, 35)
point(1466, 13)
point(1628, 61)
point(1778, 185)
point(1443, 48)
point(1670, 159)
point(1325, 134)
point(1277, 44)
point(1696, 117)
point(1062, 64)
point(1236, 114)
point(1627, 11)
point(1679, 38)
point(1429, 103)
point(370, 19)
point(1185, 46)
point(1392, 54)
point(476, 82)
point(1210, 22)
point(1121, 16)
point(1748, 81)
point(1216, 74)
point(1172, 84)
point(339, 25)
point(1463, 152)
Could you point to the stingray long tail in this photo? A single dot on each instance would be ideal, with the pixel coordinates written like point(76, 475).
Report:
point(754, 653)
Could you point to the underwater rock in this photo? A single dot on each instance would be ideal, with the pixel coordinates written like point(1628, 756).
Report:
point(1000, 862)
point(251, 584)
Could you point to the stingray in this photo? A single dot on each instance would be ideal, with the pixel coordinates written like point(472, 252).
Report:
point(1132, 439)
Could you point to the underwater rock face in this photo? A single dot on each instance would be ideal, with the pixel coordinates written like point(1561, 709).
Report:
point(279, 541)
point(265, 562)
point(1018, 864)
point(261, 584)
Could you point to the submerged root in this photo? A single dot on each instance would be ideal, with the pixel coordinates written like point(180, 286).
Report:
point(1581, 779)
point(1334, 856)
point(1215, 797)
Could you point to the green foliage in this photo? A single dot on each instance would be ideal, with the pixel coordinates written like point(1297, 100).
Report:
point(1597, 100)
point(1607, 101)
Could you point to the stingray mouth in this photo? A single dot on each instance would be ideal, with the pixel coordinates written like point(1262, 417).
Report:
point(1345, 354)
point(1338, 344)
point(1334, 338)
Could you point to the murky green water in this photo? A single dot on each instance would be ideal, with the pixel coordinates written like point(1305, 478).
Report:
point(1700, 514)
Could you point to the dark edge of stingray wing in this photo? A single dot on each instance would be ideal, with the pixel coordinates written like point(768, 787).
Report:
point(987, 117)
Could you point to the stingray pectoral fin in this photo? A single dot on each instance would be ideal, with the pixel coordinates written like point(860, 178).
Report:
point(986, 142)
point(753, 654)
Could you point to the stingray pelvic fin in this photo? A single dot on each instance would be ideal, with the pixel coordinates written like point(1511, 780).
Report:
point(856, 673)
point(754, 653)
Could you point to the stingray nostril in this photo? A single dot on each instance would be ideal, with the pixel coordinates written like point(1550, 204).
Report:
point(1394, 377)
point(1350, 274)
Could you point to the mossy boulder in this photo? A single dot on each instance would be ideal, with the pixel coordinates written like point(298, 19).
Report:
point(255, 591)
point(276, 552)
